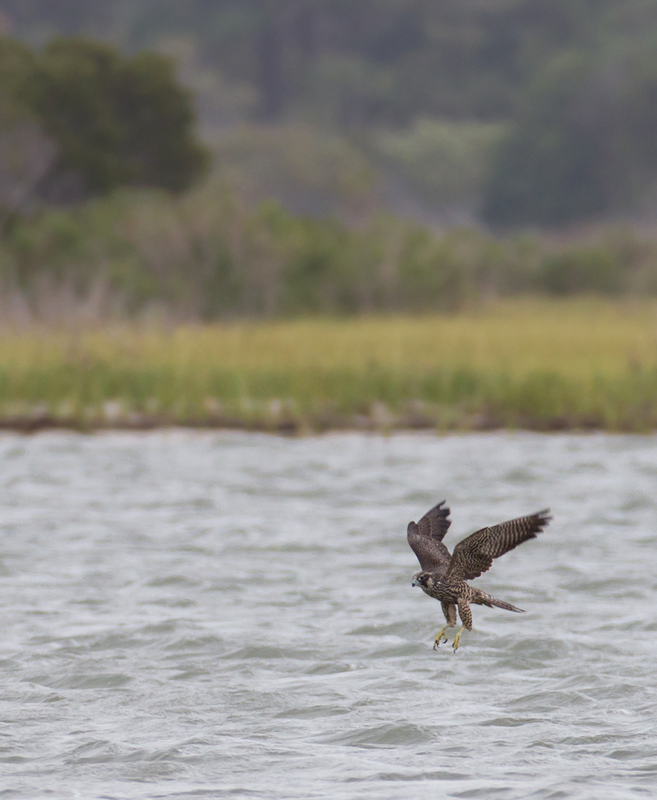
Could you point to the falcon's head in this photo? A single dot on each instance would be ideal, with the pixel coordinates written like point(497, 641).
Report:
point(421, 579)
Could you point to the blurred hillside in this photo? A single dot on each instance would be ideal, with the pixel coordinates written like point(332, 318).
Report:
point(514, 112)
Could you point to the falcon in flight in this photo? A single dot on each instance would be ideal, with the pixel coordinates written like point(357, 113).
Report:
point(443, 576)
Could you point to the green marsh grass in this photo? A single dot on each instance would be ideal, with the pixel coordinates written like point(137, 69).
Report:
point(522, 363)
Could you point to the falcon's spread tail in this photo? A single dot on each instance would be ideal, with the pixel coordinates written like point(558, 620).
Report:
point(483, 599)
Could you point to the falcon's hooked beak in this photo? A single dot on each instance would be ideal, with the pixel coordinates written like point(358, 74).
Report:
point(416, 581)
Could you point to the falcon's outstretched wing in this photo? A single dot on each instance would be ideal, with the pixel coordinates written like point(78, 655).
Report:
point(475, 554)
point(426, 539)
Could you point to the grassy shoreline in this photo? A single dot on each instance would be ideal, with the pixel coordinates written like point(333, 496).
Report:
point(541, 365)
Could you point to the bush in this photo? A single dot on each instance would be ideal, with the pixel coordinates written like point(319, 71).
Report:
point(203, 256)
point(594, 271)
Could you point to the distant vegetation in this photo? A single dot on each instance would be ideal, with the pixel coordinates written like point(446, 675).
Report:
point(372, 164)
point(522, 112)
point(204, 256)
point(547, 366)
point(78, 120)
point(553, 100)
point(582, 145)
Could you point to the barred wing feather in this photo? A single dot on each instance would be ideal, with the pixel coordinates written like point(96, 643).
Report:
point(475, 554)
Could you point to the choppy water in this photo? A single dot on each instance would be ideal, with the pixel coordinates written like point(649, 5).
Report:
point(212, 615)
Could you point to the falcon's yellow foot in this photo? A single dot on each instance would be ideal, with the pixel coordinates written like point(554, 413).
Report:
point(440, 636)
point(457, 639)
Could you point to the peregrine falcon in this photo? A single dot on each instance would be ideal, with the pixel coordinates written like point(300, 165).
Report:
point(443, 576)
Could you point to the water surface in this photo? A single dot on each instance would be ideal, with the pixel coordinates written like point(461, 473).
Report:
point(231, 615)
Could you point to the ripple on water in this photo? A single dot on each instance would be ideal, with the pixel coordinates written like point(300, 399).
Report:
point(527, 652)
point(384, 735)
point(81, 681)
point(512, 722)
point(311, 712)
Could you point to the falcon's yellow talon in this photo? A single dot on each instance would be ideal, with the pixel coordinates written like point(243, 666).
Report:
point(440, 636)
point(457, 639)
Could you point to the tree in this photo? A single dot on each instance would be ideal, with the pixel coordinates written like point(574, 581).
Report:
point(583, 143)
point(27, 154)
point(409, 58)
point(116, 121)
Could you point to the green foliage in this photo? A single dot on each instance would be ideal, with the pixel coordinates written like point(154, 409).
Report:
point(375, 62)
point(77, 119)
point(312, 171)
point(583, 142)
point(26, 153)
point(591, 270)
point(423, 90)
point(446, 161)
point(547, 170)
point(71, 90)
point(206, 257)
point(156, 113)
point(117, 121)
point(16, 63)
